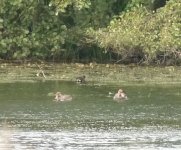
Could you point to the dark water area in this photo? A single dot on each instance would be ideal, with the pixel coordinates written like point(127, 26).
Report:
point(30, 119)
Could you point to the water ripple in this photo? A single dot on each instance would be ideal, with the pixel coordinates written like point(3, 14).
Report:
point(91, 139)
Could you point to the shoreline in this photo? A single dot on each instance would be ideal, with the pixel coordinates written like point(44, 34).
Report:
point(97, 73)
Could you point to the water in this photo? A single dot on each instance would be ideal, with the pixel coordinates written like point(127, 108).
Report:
point(30, 119)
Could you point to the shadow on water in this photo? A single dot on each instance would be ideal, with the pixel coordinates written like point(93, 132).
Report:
point(151, 118)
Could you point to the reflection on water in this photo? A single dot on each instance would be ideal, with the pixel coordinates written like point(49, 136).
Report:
point(85, 139)
point(29, 119)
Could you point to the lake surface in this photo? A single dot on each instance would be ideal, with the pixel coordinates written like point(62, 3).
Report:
point(30, 119)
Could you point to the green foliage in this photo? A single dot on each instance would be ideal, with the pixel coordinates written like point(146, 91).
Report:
point(61, 5)
point(33, 28)
point(165, 28)
point(90, 29)
point(137, 3)
point(143, 34)
point(29, 29)
point(50, 29)
point(149, 4)
point(124, 34)
point(77, 21)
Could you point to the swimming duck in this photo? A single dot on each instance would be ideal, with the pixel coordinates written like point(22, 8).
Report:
point(80, 79)
point(120, 95)
point(62, 97)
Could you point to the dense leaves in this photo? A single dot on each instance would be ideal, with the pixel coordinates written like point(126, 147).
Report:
point(141, 35)
point(91, 30)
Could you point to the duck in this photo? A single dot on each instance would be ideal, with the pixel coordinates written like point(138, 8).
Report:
point(59, 97)
point(120, 95)
point(80, 79)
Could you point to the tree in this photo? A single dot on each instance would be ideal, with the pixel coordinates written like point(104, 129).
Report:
point(33, 28)
point(142, 34)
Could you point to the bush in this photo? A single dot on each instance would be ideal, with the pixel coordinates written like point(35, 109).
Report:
point(149, 36)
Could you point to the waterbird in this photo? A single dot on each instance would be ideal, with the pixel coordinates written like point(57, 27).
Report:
point(120, 95)
point(62, 97)
point(80, 79)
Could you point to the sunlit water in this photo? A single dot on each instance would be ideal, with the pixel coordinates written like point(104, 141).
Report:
point(30, 119)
